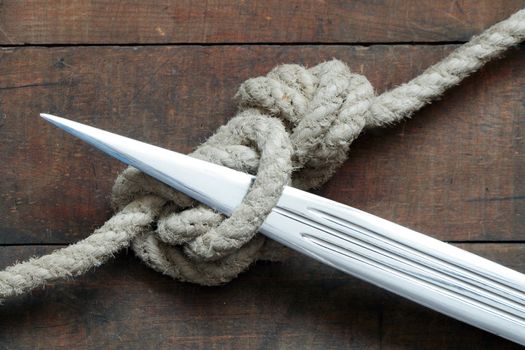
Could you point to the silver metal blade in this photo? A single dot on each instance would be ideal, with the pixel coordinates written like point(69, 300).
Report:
point(420, 268)
point(425, 270)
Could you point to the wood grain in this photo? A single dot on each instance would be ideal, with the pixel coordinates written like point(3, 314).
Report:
point(231, 21)
point(455, 171)
point(298, 304)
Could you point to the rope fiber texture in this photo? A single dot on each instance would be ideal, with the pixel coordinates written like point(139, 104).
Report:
point(292, 121)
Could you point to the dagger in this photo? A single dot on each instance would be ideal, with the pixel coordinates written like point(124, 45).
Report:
point(425, 270)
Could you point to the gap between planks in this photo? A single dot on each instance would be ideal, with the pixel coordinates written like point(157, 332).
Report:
point(298, 43)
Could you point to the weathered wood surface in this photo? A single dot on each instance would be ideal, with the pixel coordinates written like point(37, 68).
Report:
point(298, 304)
point(456, 170)
point(232, 21)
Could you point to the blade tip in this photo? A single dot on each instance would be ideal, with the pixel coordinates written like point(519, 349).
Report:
point(47, 116)
point(53, 119)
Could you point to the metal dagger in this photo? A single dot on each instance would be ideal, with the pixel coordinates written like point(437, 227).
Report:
point(423, 269)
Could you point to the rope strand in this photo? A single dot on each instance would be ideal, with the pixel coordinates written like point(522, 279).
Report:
point(402, 101)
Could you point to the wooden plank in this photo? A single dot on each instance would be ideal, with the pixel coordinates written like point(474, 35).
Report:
point(297, 304)
point(456, 170)
point(231, 21)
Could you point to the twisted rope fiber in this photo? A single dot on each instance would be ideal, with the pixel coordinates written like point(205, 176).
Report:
point(292, 120)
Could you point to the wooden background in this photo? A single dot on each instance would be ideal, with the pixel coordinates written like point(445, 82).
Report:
point(165, 72)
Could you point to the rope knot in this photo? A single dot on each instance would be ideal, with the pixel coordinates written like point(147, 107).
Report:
point(293, 118)
point(324, 108)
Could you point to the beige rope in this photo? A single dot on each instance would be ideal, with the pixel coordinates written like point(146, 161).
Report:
point(292, 119)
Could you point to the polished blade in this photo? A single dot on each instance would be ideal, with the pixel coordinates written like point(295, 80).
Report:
point(408, 263)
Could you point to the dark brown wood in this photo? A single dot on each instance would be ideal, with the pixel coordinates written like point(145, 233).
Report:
point(298, 304)
point(232, 21)
point(455, 171)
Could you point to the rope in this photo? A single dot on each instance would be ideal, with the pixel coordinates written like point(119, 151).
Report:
point(291, 120)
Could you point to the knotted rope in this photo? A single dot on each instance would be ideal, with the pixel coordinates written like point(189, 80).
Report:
point(293, 119)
